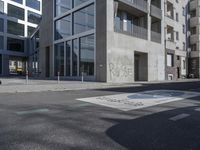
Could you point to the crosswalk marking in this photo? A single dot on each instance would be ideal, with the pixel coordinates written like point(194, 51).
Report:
point(133, 101)
point(32, 111)
point(198, 109)
point(179, 117)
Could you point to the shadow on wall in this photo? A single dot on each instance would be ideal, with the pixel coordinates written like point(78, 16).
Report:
point(157, 132)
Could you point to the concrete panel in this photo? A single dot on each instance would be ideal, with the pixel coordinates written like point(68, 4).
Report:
point(46, 36)
point(120, 65)
point(101, 56)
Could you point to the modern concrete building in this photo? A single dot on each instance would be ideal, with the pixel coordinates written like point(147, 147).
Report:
point(176, 38)
point(104, 40)
point(194, 60)
point(18, 20)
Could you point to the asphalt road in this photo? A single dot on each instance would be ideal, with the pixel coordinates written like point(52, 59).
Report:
point(57, 121)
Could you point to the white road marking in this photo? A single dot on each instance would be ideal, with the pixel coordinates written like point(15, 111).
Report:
point(133, 101)
point(179, 117)
point(32, 111)
point(198, 109)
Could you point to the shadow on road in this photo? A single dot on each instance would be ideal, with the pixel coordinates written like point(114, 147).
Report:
point(157, 86)
point(157, 132)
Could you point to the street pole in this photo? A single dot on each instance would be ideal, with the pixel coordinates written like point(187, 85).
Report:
point(26, 73)
point(26, 76)
point(82, 77)
point(58, 77)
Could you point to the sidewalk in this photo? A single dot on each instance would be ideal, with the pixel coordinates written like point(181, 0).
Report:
point(14, 85)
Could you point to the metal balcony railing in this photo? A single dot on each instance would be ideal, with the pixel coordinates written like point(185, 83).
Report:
point(139, 4)
point(137, 31)
point(155, 37)
point(156, 12)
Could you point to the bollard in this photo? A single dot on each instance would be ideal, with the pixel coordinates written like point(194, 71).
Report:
point(82, 77)
point(27, 77)
point(58, 77)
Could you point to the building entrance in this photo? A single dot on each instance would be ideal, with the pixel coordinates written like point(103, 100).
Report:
point(141, 66)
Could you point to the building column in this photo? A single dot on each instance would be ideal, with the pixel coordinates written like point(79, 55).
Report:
point(149, 20)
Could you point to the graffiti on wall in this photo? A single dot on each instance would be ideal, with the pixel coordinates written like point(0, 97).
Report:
point(120, 70)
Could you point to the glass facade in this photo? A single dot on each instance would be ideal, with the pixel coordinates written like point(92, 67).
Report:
point(76, 55)
point(87, 55)
point(1, 25)
point(79, 2)
point(1, 6)
point(75, 52)
point(14, 11)
point(35, 4)
point(34, 17)
point(62, 6)
point(15, 28)
point(15, 44)
point(59, 59)
point(68, 58)
point(1, 42)
point(63, 28)
point(84, 19)
point(18, 1)
point(30, 30)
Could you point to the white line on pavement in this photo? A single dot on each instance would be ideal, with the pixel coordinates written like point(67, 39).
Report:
point(197, 109)
point(179, 117)
point(32, 111)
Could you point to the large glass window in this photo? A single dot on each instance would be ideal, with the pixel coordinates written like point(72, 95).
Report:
point(15, 28)
point(15, 44)
point(87, 55)
point(1, 43)
point(16, 12)
point(75, 58)
point(79, 2)
point(118, 21)
point(30, 30)
point(84, 19)
point(1, 25)
point(1, 6)
point(0, 64)
point(62, 6)
point(68, 58)
point(170, 60)
point(18, 1)
point(59, 59)
point(34, 17)
point(35, 4)
point(63, 28)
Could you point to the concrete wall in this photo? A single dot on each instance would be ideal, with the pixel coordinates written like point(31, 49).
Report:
point(5, 67)
point(101, 41)
point(46, 37)
point(121, 49)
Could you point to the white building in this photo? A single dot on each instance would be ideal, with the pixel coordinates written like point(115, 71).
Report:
point(176, 38)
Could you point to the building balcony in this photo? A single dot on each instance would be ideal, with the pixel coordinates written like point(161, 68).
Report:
point(194, 39)
point(193, 4)
point(138, 4)
point(169, 21)
point(170, 44)
point(155, 37)
point(194, 21)
point(156, 12)
point(137, 31)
